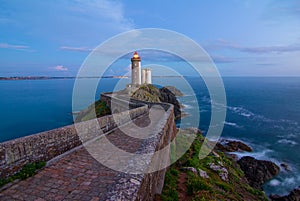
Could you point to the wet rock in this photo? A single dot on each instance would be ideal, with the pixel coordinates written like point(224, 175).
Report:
point(293, 196)
point(285, 166)
point(233, 146)
point(258, 172)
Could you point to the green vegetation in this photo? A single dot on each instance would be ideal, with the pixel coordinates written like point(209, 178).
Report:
point(196, 184)
point(147, 93)
point(170, 192)
point(27, 171)
point(99, 108)
point(198, 188)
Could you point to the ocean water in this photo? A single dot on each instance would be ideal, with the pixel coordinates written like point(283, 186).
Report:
point(263, 112)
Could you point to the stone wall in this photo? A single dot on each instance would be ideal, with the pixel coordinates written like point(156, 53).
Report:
point(152, 183)
point(46, 145)
point(145, 186)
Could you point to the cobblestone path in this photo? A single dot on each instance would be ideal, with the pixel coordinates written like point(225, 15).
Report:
point(77, 175)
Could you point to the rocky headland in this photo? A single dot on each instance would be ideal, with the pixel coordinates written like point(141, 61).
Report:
point(219, 176)
point(167, 94)
point(149, 93)
point(222, 175)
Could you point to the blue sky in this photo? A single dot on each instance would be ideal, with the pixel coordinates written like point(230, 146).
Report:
point(244, 38)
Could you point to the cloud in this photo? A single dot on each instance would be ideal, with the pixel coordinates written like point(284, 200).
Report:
point(222, 59)
point(281, 9)
point(105, 9)
point(16, 47)
point(265, 64)
point(60, 68)
point(222, 44)
point(77, 49)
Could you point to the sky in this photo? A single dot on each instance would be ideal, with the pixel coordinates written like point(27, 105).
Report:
point(244, 38)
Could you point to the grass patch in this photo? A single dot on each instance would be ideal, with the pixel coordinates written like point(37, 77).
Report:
point(169, 192)
point(95, 110)
point(28, 170)
point(196, 184)
point(224, 186)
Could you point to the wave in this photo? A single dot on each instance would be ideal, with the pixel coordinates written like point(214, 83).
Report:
point(246, 113)
point(262, 155)
point(285, 125)
point(231, 124)
point(288, 136)
point(203, 110)
point(274, 182)
point(186, 106)
point(288, 181)
point(286, 141)
point(205, 99)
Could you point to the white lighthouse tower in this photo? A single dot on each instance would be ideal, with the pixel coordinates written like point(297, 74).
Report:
point(136, 70)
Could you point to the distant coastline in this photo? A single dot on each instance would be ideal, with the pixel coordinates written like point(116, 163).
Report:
point(52, 78)
point(55, 78)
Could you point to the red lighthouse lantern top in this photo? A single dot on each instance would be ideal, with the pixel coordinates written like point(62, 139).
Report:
point(136, 56)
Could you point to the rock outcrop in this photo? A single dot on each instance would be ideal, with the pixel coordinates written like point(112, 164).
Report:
point(293, 196)
point(168, 97)
point(258, 172)
point(233, 146)
point(174, 90)
point(151, 93)
point(220, 169)
point(215, 177)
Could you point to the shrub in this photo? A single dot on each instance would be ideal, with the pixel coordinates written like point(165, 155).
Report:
point(28, 170)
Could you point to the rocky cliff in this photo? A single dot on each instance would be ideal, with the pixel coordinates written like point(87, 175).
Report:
point(151, 93)
point(219, 176)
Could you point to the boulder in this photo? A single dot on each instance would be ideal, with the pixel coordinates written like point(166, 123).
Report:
point(192, 169)
point(258, 172)
point(168, 97)
point(174, 90)
point(151, 93)
point(203, 174)
point(233, 146)
point(285, 166)
point(223, 172)
point(293, 196)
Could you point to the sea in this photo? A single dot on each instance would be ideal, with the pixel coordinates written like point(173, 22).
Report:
point(263, 112)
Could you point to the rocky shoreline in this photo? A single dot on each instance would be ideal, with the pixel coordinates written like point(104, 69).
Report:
point(256, 171)
point(221, 175)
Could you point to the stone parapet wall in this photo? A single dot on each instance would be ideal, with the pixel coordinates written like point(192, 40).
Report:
point(146, 186)
point(152, 183)
point(44, 146)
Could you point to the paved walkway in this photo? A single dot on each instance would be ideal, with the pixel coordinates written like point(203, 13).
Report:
point(77, 175)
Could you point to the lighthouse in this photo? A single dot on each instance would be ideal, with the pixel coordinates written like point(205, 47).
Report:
point(146, 76)
point(136, 70)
